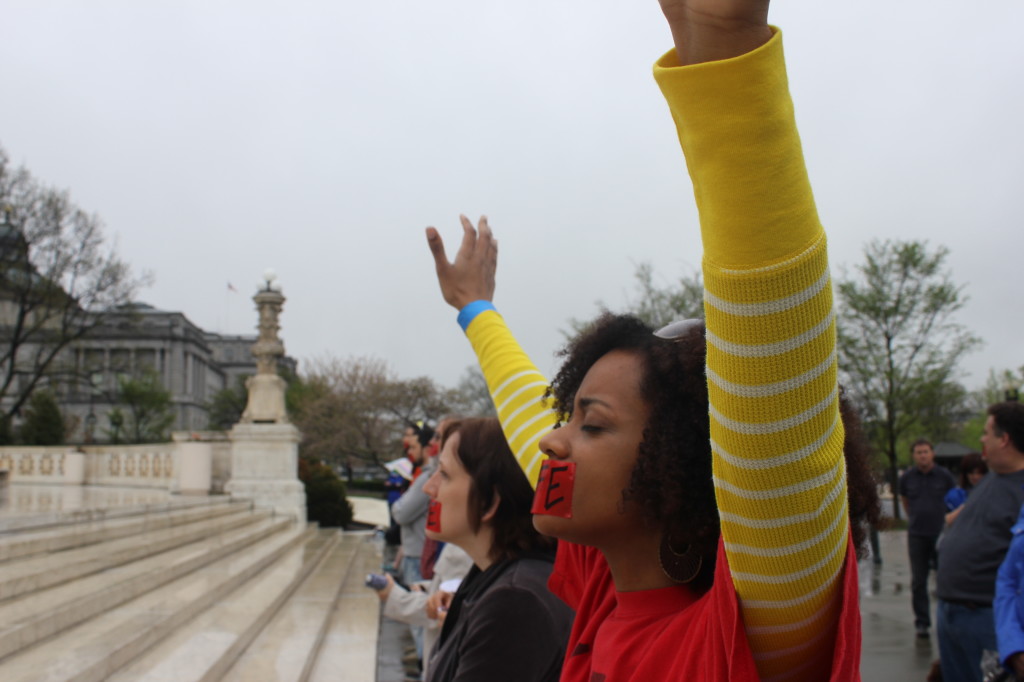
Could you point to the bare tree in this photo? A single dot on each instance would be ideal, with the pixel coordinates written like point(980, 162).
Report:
point(357, 408)
point(473, 395)
point(657, 305)
point(57, 279)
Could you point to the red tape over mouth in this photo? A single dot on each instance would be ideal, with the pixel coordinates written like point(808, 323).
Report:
point(554, 489)
point(434, 516)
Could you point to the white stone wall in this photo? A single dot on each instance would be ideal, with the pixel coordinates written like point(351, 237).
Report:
point(139, 466)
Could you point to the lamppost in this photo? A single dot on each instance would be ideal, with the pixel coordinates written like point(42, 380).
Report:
point(90, 424)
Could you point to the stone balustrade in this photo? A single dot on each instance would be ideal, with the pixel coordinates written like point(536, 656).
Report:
point(197, 463)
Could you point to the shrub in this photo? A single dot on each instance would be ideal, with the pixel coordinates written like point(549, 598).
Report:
point(43, 423)
point(326, 501)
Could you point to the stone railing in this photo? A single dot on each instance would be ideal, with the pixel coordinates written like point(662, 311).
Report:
point(57, 464)
point(192, 462)
point(140, 466)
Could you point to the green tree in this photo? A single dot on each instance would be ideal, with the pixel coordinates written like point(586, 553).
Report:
point(148, 405)
point(116, 431)
point(58, 280)
point(999, 386)
point(43, 423)
point(900, 346)
point(227, 405)
point(658, 305)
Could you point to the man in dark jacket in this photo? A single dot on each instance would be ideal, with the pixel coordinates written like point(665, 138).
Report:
point(923, 489)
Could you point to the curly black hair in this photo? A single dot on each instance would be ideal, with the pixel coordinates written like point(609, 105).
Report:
point(671, 481)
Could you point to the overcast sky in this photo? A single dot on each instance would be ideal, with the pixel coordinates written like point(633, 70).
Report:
point(219, 138)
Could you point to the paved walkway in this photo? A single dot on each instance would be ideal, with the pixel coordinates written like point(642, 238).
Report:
point(891, 651)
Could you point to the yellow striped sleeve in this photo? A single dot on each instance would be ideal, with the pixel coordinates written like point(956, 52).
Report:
point(517, 388)
point(779, 473)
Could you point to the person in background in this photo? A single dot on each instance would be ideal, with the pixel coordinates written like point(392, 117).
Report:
point(1009, 603)
point(923, 489)
point(974, 547)
point(411, 606)
point(972, 470)
point(432, 548)
point(410, 511)
point(397, 482)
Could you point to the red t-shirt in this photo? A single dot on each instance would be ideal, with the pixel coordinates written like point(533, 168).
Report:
point(670, 633)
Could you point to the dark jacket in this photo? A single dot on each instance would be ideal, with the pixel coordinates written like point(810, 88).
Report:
point(503, 624)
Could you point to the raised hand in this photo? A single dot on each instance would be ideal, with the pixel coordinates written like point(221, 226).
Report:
point(471, 277)
point(708, 30)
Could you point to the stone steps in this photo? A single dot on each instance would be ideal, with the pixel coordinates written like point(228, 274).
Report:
point(34, 616)
point(191, 592)
point(93, 650)
point(349, 648)
point(55, 533)
point(43, 570)
point(205, 647)
point(290, 645)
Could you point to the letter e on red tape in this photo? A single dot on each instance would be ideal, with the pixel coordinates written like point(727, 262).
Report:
point(554, 489)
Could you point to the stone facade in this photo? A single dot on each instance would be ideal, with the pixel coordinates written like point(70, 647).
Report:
point(191, 363)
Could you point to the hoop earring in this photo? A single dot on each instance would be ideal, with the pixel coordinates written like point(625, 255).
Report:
point(679, 567)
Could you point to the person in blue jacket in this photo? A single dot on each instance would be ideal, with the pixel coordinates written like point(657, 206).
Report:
point(1009, 603)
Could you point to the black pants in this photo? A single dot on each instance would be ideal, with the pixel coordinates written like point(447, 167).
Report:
point(922, 556)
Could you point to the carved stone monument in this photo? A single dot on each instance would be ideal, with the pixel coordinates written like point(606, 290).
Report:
point(264, 445)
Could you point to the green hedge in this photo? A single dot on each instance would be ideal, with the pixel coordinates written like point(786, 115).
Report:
point(326, 500)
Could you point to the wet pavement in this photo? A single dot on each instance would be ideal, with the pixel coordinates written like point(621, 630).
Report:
point(891, 652)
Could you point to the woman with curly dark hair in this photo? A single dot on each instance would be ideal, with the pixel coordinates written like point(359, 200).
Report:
point(697, 480)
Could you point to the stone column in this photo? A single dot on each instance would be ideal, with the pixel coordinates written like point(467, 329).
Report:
point(264, 445)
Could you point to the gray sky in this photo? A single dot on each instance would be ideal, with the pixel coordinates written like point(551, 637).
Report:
point(219, 138)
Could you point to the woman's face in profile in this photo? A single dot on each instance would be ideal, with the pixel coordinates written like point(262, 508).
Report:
point(601, 441)
point(450, 486)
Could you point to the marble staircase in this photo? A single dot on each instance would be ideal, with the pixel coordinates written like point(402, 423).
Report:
point(196, 589)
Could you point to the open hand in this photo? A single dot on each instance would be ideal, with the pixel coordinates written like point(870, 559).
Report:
point(708, 30)
point(471, 277)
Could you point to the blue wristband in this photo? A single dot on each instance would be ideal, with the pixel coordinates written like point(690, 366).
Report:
point(469, 313)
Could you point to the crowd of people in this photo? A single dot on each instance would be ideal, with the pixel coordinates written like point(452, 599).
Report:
point(686, 503)
point(968, 532)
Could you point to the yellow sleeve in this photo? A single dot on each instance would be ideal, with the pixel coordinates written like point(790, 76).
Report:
point(517, 388)
point(779, 473)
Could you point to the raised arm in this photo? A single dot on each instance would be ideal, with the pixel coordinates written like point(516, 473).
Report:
point(516, 385)
point(776, 434)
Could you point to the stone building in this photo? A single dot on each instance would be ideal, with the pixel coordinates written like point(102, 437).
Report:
point(129, 341)
point(192, 364)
